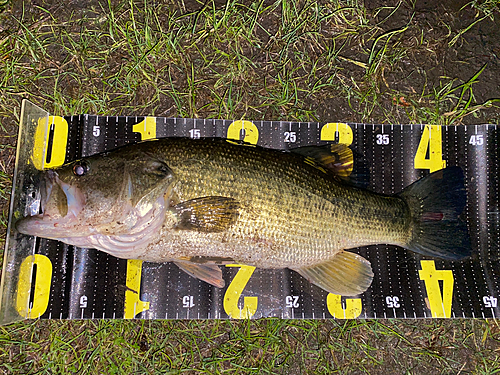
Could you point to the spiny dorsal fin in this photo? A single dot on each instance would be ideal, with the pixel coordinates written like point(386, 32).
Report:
point(209, 273)
point(336, 158)
point(346, 274)
point(207, 214)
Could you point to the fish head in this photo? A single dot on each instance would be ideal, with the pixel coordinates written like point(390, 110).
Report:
point(95, 199)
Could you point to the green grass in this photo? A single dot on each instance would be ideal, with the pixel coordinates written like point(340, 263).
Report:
point(326, 61)
point(265, 346)
point(260, 61)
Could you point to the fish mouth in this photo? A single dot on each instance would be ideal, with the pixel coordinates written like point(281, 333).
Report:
point(60, 205)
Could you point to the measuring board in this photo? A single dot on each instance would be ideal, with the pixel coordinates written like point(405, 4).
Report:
point(48, 279)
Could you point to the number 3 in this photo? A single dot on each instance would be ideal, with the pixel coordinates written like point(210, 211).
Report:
point(382, 139)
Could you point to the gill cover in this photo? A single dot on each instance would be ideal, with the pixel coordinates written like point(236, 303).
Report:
point(112, 201)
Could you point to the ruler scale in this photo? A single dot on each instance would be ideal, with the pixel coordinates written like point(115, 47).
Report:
point(74, 283)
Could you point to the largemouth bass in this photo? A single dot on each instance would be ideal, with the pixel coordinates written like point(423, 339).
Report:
point(200, 203)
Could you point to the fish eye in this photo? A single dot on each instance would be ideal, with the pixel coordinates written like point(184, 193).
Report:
point(80, 169)
point(159, 169)
point(163, 169)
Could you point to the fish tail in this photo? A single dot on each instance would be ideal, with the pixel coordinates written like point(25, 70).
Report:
point(435, 202)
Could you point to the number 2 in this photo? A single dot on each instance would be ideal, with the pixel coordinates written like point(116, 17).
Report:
point(290, 137)
point(292, 301)
point(233, 294)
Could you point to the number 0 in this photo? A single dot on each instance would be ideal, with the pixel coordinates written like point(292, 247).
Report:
point(58, 127)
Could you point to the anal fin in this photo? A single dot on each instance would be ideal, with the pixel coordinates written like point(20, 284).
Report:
point(209, 273)
point(346, 274)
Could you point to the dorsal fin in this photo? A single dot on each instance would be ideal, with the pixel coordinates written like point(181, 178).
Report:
point(336, 158)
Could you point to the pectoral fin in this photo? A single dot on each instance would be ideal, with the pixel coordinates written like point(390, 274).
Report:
point(207, 214)
point(346, 274)
point(209, 273)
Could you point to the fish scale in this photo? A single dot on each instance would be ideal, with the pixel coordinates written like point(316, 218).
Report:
point(281, 196)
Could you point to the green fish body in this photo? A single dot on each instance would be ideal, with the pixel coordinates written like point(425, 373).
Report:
point(200, 203)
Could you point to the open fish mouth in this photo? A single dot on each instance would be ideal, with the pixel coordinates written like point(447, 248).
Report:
point(60, 205)
point(61, 218)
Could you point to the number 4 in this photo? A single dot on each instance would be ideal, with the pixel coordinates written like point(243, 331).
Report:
point(431, 144)
point(490, 301)
point(439, 304)
point(476, 140)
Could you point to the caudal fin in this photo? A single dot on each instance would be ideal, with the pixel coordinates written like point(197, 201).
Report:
point(436, 202)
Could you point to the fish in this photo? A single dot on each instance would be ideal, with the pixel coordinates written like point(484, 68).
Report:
point(202, 203)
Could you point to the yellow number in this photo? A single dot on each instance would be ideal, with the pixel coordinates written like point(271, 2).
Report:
point(233, 294)
point(59, 126)
point(353, 307)
point(250, 130)
point(431, 141)
point(330, 130)
point(439, 304)
point(147, 128)
point(41, 294)
point(344, 132)
point(133, 305)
